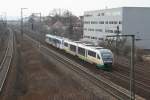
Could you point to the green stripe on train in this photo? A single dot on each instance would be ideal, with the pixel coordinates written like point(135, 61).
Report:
point(104, 67)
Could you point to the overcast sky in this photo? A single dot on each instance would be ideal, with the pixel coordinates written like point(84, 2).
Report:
point(77, 7)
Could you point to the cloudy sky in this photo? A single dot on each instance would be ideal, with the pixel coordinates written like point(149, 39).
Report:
point(12, 7)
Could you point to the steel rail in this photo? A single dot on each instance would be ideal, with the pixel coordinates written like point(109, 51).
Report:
point(125, 78)
point(99, 81)
point(5, 66)
point(136, 74)
point(138, 67)
point(5, 55)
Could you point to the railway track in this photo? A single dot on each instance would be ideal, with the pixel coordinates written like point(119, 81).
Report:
point(140, 88)
point(126, 63)
point(5, 64)
point(4, 50)
point(141, 77)
point(99, 81)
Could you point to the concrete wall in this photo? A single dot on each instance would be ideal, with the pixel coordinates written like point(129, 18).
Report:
point(136, 21)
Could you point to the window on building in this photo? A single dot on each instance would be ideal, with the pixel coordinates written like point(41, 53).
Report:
point(106, 22)
point(94, 37)
point(101, 22)
point(102, 14)
point(105, 30)
point(100, 38)
point(90, 29)
point(87, 15)
point(99, 30)
point(94, 22)
point(91, 53)
point(110, 22)
point(120, 22)
point(116, 31)
point(81, 51)
point(115, 22)
point(109, 31)
point(86, 22)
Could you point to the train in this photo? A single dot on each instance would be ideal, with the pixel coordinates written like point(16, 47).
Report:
point(99, 56)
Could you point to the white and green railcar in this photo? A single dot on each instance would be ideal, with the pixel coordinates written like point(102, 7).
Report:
point(103, 58)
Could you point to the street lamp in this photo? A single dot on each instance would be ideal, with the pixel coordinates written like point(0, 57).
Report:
point(22, 21)
point(132, 80)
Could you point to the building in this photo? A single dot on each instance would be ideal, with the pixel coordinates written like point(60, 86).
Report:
point(130, 20)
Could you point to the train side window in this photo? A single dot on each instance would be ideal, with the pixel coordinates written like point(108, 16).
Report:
point(81, 51)
point(72, 48)
point(57, 41)
point(98, 57)
point(91, 53)
point(66, 44)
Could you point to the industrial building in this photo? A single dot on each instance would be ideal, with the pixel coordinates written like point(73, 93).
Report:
point(130, 20)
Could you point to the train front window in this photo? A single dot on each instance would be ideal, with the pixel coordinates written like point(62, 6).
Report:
point(106, 56)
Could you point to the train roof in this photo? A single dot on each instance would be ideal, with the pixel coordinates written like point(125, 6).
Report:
point(81, 44)
point(91, 47)
point(88, 46)
point(54, 36)
point(78, 41)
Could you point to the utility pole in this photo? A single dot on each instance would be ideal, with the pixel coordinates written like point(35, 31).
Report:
point(118, 32)
point(132, 80)
point(132, 72)
point(22, 21)
point(32, 22)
